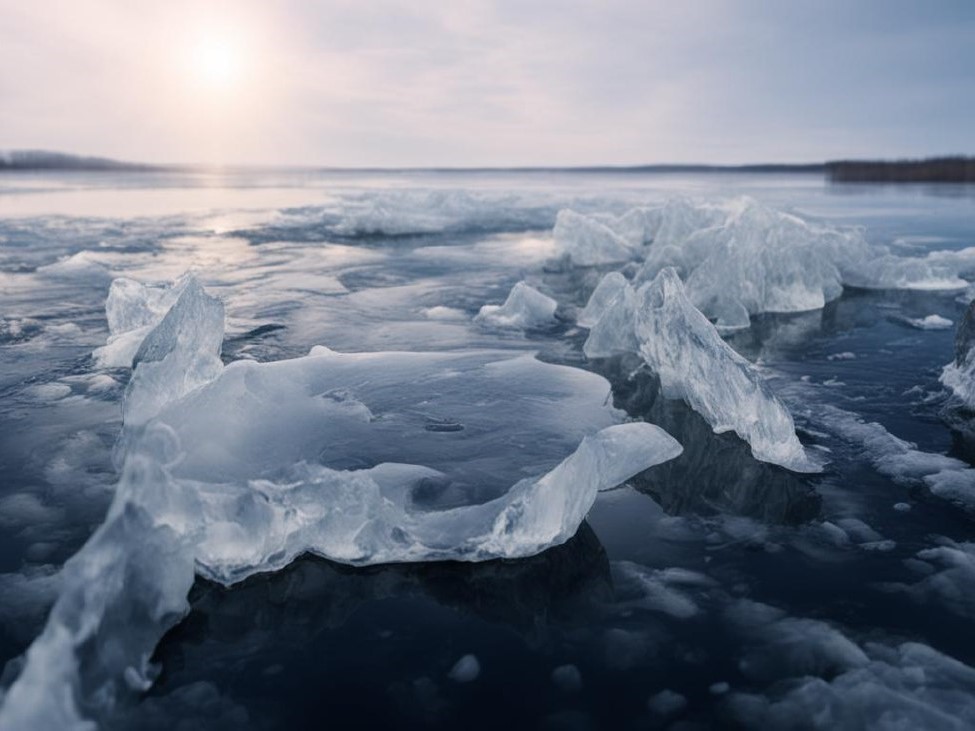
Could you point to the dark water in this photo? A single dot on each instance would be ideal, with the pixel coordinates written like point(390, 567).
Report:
point(712, 569)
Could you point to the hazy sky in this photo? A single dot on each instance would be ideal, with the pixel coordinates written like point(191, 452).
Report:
point(488, 82)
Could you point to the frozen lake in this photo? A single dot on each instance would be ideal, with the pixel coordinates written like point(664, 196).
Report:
point(712, 589)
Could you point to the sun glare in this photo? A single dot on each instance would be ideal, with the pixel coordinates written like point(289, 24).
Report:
point(217, 62)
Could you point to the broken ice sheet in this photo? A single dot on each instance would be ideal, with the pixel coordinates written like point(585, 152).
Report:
point(240, 469)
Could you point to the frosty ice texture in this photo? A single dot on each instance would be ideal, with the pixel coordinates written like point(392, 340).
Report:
point(362, 458)
point(525, 308)
point(677, 342)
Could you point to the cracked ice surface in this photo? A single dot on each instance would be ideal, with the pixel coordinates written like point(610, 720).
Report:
point(361, 458)
point(693, 363)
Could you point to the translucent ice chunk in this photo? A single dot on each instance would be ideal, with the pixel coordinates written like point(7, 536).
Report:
point(759, 260)
point(602, 297)
point(525, 308)
point(693, 363)
point(179, 354)
point(132, 310)
point(119, 595)
point(681, 217)
point(741, 258)
point(588, 241)
point(745, 258)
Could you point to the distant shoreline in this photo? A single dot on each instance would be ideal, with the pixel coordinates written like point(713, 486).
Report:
point(930, 170)
point(955, 169)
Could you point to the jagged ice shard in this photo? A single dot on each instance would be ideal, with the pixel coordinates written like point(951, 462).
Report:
point(133, 309)
point(361, 458)
point(693, 363)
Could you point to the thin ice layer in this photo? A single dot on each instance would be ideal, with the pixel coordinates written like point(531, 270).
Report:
point(365, 458)
point(525, 308)
point(693, 363)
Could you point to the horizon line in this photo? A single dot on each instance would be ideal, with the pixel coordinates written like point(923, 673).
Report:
point(20, 159)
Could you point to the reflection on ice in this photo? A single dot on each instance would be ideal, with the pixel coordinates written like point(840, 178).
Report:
point(716, 473)
point(298, 615)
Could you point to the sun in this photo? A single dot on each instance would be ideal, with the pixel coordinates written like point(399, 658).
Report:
point(217, 62)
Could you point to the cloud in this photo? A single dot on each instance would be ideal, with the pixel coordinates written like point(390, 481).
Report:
point(492, 83)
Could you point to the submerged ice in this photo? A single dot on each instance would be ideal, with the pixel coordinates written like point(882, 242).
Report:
point(685, 351)
point(364, 458)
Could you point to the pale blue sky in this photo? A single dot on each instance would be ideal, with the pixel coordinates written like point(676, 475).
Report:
point(479, 82)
